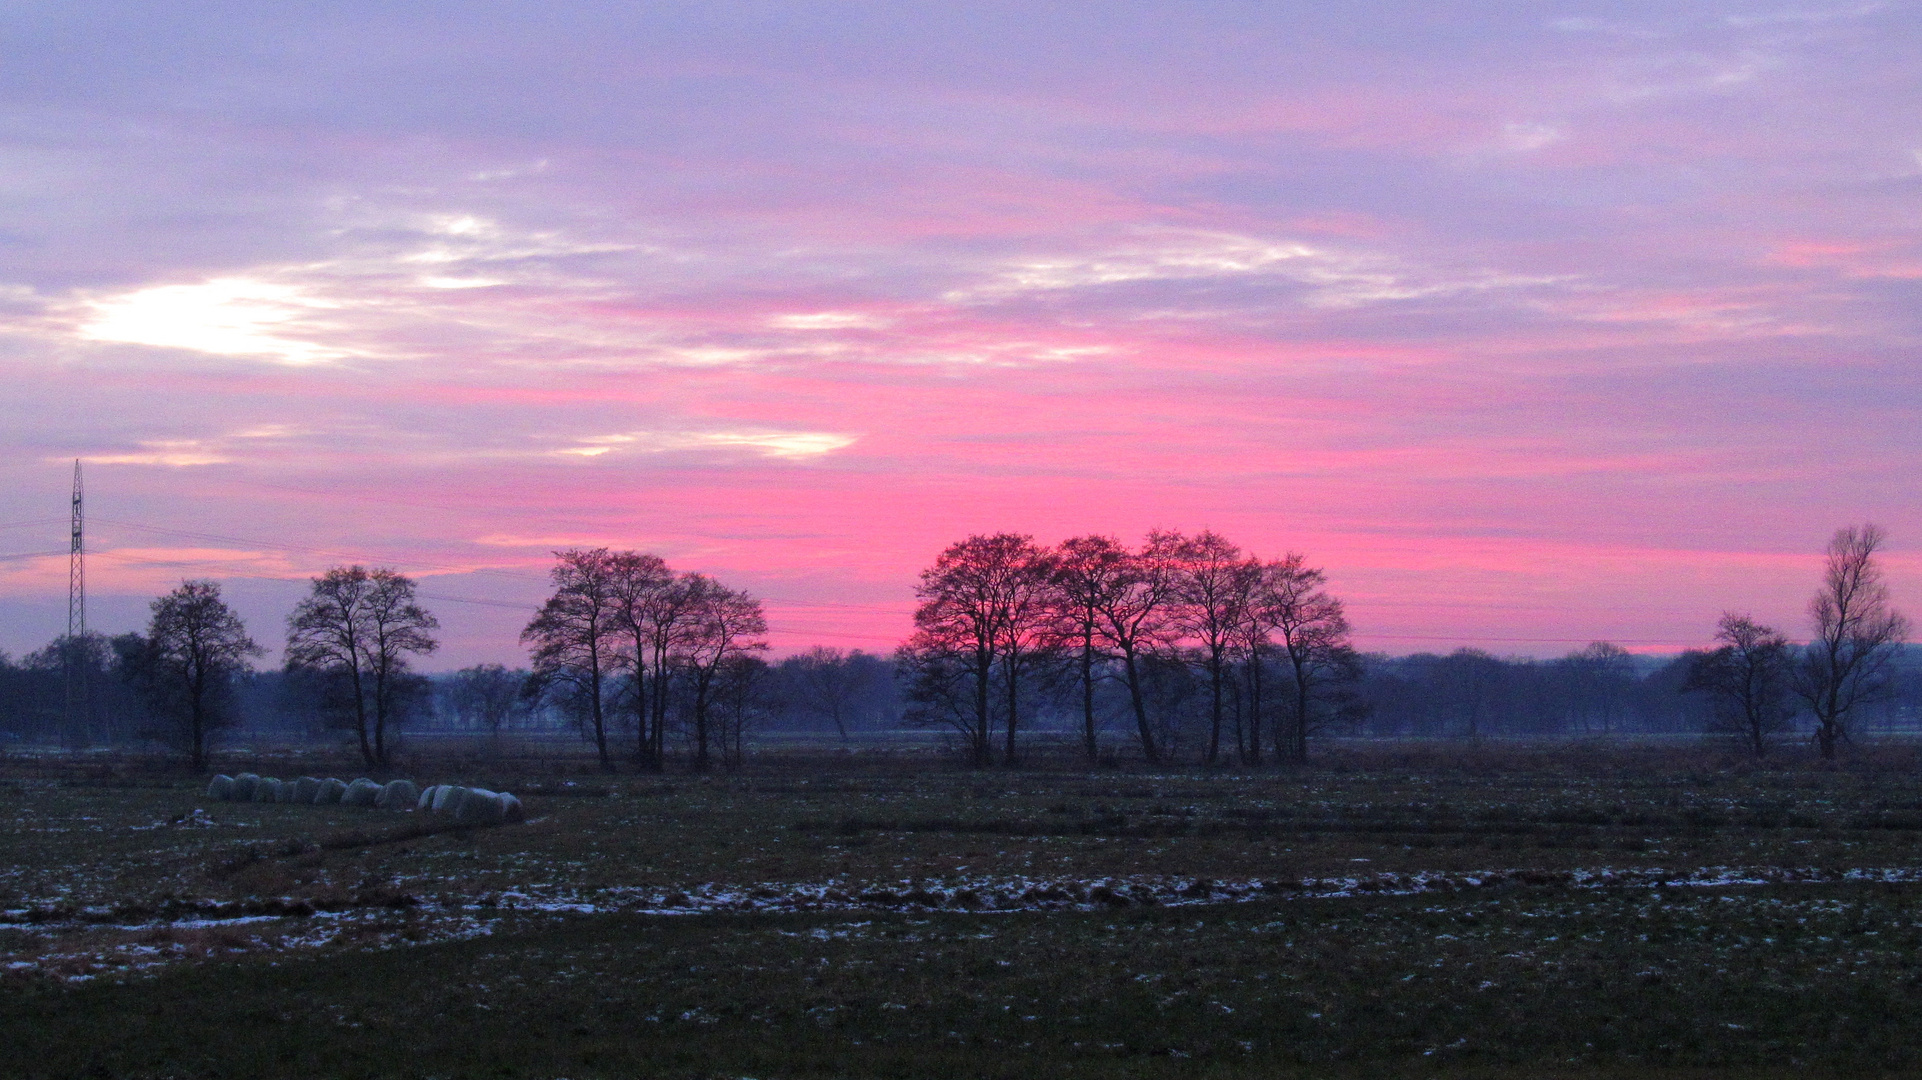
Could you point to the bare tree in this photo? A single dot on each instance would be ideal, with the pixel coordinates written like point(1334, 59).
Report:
point(1027, 627)
point(829, 684)
point(962, 628)
point(1748, 676)
point(196, 645)
point(489, 697)
point(396, 627)
point(1136, 620)
point(1213, 586)
point(739, 704)
point(361, 624)
point(724, 625)
point(1462, 684)
point(574, 638)
point(1856, 634)
point(1599, 677)
point(1311, 631)
point(1091, 574)
point(658, 610)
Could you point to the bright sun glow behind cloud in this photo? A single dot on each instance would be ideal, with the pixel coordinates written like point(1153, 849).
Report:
point(790, 445)
point(225, 317)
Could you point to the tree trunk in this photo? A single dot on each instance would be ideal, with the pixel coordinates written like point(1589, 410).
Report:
point(1254, 709)
point(360, 714)
point(1087, 698)
point(1214, 688)
point(1146, 733)
point(700, 724)
point(1014, 697)
point(983, 671)
point(594, 710)
point(196, 698)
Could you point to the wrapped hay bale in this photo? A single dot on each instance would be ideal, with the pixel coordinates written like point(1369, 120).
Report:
point(361, 792)
point(426, 800)
point(480, 807)
point(329, 792)
point(266, 789)
point(221, 787)
point(511, 809)
point(447, 798)
point(305, 789)
point(288, 789)
point(244, 786)
point(398, 795)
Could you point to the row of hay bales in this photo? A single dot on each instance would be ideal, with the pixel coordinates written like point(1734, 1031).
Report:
point(471, 805)
point(465, 805)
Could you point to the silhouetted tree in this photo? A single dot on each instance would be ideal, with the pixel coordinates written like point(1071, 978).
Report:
point(575, 637)
point(1748, 677)
point(827, 683)
point(723, 625)
point(488, 697)
point(1214, 588)
point(1311, 632)
point(1468, 678)
point(363, 624)
point(1856, 634)
point(657, 610)
point(1136, 620)
point(194, 647)
point(739, 704)
point(1091, 573)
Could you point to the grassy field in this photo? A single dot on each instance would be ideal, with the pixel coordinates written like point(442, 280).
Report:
point(1561, 911)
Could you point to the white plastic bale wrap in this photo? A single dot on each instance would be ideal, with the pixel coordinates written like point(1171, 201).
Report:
point(426, 800)
point(480, 807)
point(221, 787)
point(289, 790)
point(329, 792)
point(244, 787)
point(305, 789)
point(266, 789)
point(398, 795)
point(361, 792)
point(511, 809)
point(447, 798)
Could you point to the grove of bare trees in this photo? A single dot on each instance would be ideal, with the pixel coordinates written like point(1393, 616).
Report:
point(1004, 621)
point(625, 635)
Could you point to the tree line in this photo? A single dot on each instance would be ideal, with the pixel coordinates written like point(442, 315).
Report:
point(1186, 647)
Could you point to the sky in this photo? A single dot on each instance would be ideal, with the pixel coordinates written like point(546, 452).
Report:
point(1532, 324)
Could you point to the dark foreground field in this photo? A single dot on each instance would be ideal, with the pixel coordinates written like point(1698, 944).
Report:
point(1500, 913)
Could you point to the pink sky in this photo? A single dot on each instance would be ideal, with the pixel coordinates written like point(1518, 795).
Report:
point(1531, 328)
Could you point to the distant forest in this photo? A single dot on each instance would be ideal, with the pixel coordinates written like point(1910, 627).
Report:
point(1600, 690)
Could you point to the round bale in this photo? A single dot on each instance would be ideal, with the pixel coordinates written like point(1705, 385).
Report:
point(511, 809)
point(288, 789)
point(361, 792)
point(426, 800)
point(267, 789)
point(305, 789)
point(244, 786)
point(398, 795)
point(481, 807)
point(447, 798)
point(221, 787)
point(329, 792)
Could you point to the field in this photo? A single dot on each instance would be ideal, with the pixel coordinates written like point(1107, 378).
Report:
point(1455, 911)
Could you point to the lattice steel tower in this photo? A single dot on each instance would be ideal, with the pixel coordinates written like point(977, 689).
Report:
point(77, 567)
point(76, 650)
